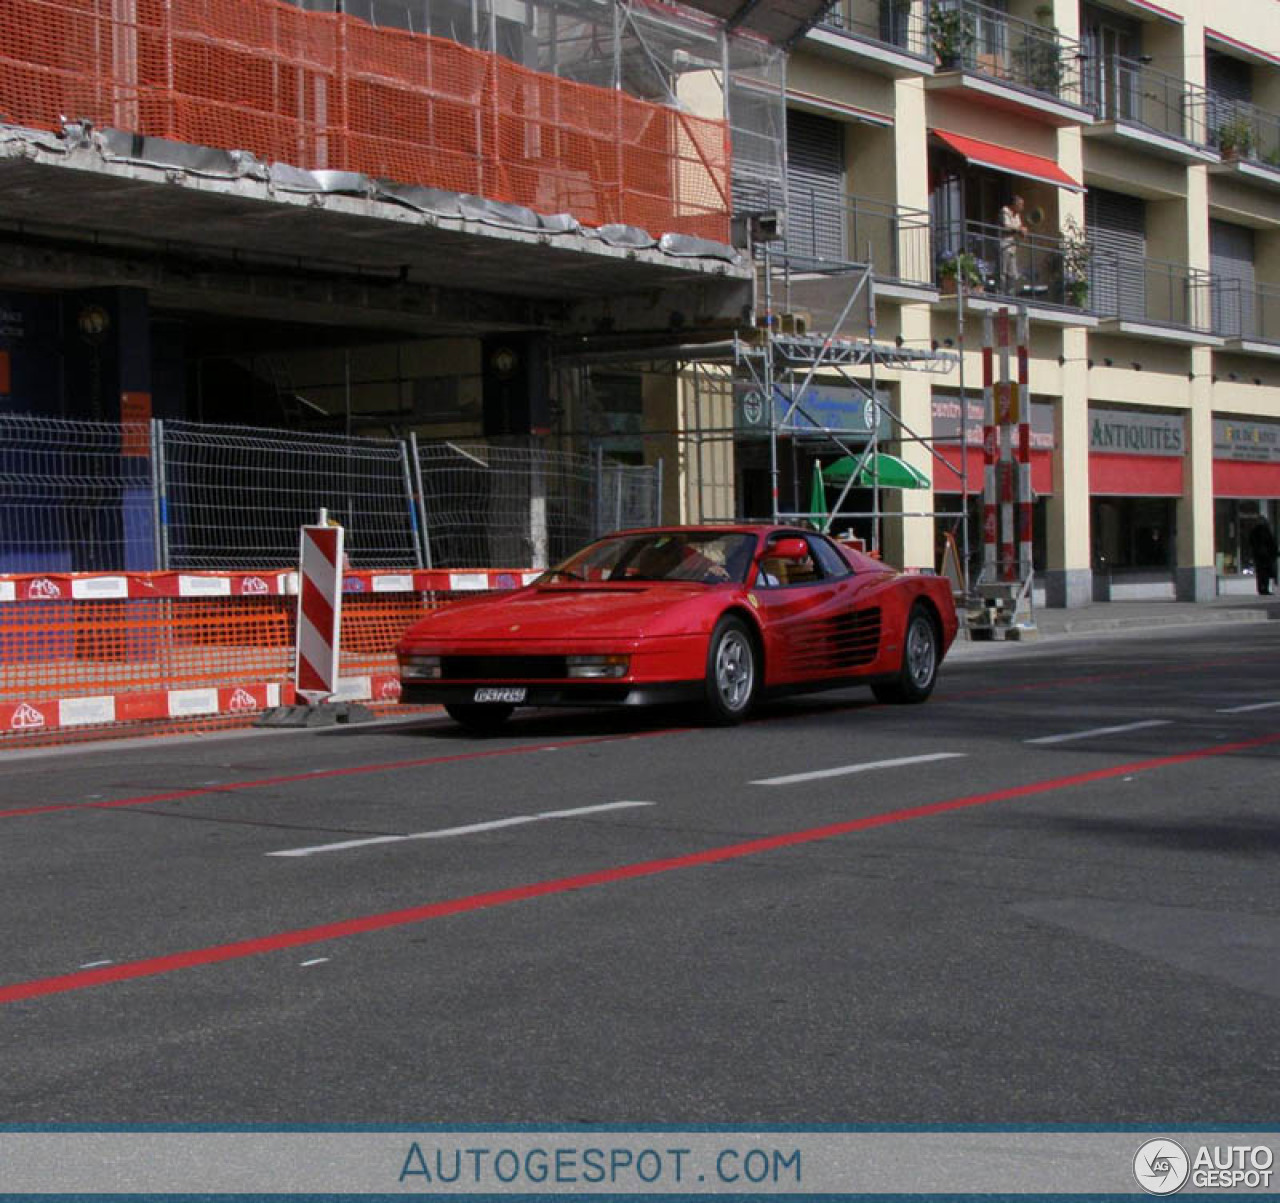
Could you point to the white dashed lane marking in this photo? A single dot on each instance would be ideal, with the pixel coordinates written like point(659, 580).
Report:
point(445, 833)
point(866, 767)
point(1070, 735)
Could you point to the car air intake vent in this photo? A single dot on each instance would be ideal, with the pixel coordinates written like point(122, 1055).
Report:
point(855, 638)
point(502, 668)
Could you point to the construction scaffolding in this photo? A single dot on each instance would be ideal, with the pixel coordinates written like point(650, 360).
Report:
point(772, 371)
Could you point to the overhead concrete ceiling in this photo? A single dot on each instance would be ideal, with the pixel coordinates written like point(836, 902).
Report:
point(238, 247)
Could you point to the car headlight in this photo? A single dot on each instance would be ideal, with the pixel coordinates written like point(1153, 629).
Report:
point(597, 666)
point(419, 668)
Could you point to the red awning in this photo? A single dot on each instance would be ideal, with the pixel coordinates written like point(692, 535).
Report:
point(1012, 162)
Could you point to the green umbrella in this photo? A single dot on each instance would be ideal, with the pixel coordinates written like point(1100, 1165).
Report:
point(888, 471)
point(818, 494)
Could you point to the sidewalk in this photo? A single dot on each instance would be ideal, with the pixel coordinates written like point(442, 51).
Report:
point(1052, 623)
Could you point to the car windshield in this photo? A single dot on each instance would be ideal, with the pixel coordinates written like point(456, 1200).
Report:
point(709, 557)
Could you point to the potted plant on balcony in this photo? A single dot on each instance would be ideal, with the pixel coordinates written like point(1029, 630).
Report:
point(962, 266)
point(1075, 264)
point(1235, 138)
point(950, 34)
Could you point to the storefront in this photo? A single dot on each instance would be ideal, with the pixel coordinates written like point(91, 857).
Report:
point(958, 467)
point(1246, 489)
point(1135, 481)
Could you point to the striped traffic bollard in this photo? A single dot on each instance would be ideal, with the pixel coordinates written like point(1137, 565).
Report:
point(320, 560)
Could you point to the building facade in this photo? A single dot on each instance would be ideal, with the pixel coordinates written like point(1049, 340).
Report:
point(1144, 141)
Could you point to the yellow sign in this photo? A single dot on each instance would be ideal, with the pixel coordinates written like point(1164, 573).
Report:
point(1007, 403)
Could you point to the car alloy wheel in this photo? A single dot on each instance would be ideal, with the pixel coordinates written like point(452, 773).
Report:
point(731, 671)
point(921, 652)
point(918, 671)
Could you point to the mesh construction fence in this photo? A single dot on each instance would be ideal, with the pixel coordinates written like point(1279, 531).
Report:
point(330, 91)
point(77, 667)
point(488, 504)
point(74, 496)
point(105, 497)
point(236, 496)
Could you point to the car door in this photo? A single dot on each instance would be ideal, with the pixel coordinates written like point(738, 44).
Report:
point(813, 627)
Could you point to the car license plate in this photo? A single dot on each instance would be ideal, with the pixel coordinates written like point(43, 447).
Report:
point(500, 695)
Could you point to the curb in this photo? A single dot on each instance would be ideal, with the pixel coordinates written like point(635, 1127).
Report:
point(1209, 618)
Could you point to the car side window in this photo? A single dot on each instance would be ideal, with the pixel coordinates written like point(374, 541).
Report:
point(776, 572)
point(833, 563)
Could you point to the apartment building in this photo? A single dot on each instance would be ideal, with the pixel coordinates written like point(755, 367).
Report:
point(1144, 139)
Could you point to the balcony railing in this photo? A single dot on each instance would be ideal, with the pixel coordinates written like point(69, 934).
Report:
point(1034, 269)
point(986, 41)
point(888, 22)
point(1245, 311)
point(1130, 92)
point(1243, 131)
point(1151, 291)
point(893, 239)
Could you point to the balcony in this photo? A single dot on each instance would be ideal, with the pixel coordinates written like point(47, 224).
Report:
point(890, 37)
point(1006, 62)
point(1248, 316)
point(1247, 138)
point(1151, 298)
point(1138, 106)
point(1046, 274)
point(892, 238)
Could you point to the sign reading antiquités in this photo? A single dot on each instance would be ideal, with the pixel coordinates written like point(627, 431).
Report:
point(1130, 432)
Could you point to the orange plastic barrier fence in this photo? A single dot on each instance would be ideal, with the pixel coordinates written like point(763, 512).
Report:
point(329, 91)
point(74, 668)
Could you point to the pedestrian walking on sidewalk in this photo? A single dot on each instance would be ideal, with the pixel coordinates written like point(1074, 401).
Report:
point(1262, 542)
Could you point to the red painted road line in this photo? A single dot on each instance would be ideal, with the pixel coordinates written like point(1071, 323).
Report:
point(237, 950)
point(204, 791)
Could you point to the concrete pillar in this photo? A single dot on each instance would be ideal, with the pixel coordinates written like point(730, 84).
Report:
point(909, 542)
point(1069, 576)
point(1196, 577)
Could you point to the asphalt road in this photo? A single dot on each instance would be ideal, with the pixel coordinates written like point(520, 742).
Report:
point(1050, 895)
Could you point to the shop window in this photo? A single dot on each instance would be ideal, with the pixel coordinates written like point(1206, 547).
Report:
point(1132, 534)
point(1233, 519)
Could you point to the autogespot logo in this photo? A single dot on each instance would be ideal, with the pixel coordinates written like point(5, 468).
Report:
point(1161, 1166)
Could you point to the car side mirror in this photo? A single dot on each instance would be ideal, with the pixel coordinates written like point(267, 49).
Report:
point(788, 549)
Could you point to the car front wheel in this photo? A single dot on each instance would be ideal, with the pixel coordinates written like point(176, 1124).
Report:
point(919, 669)
point(732, 672)
point(479, 719)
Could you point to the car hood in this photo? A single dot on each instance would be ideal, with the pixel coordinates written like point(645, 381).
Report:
point(570, 612)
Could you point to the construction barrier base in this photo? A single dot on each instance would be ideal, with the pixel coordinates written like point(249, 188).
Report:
point(326, 714)
point(95, 656)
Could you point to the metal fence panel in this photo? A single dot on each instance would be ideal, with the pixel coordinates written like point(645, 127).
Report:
point(489, 505)
point(75, 496)
point(105, 497)
point(235, 495)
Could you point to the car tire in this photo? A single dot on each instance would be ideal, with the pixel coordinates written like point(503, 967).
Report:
point(733, 672)
point(479, 718)
point(918, 672)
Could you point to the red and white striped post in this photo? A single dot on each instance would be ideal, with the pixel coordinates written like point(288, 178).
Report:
point(320, 560)
point(990, 452)
point(1025, 566)
point(1006, 410)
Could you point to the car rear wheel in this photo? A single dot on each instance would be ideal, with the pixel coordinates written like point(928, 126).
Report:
point(919, 669)
point(479, 719)
point(732, 672)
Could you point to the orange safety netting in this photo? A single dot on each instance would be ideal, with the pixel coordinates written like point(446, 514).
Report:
point(70, 653)
point(329, 91)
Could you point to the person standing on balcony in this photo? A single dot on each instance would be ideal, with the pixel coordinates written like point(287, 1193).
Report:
point(1012, 230)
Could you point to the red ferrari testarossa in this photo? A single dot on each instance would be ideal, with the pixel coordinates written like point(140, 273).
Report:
point(721, 615)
